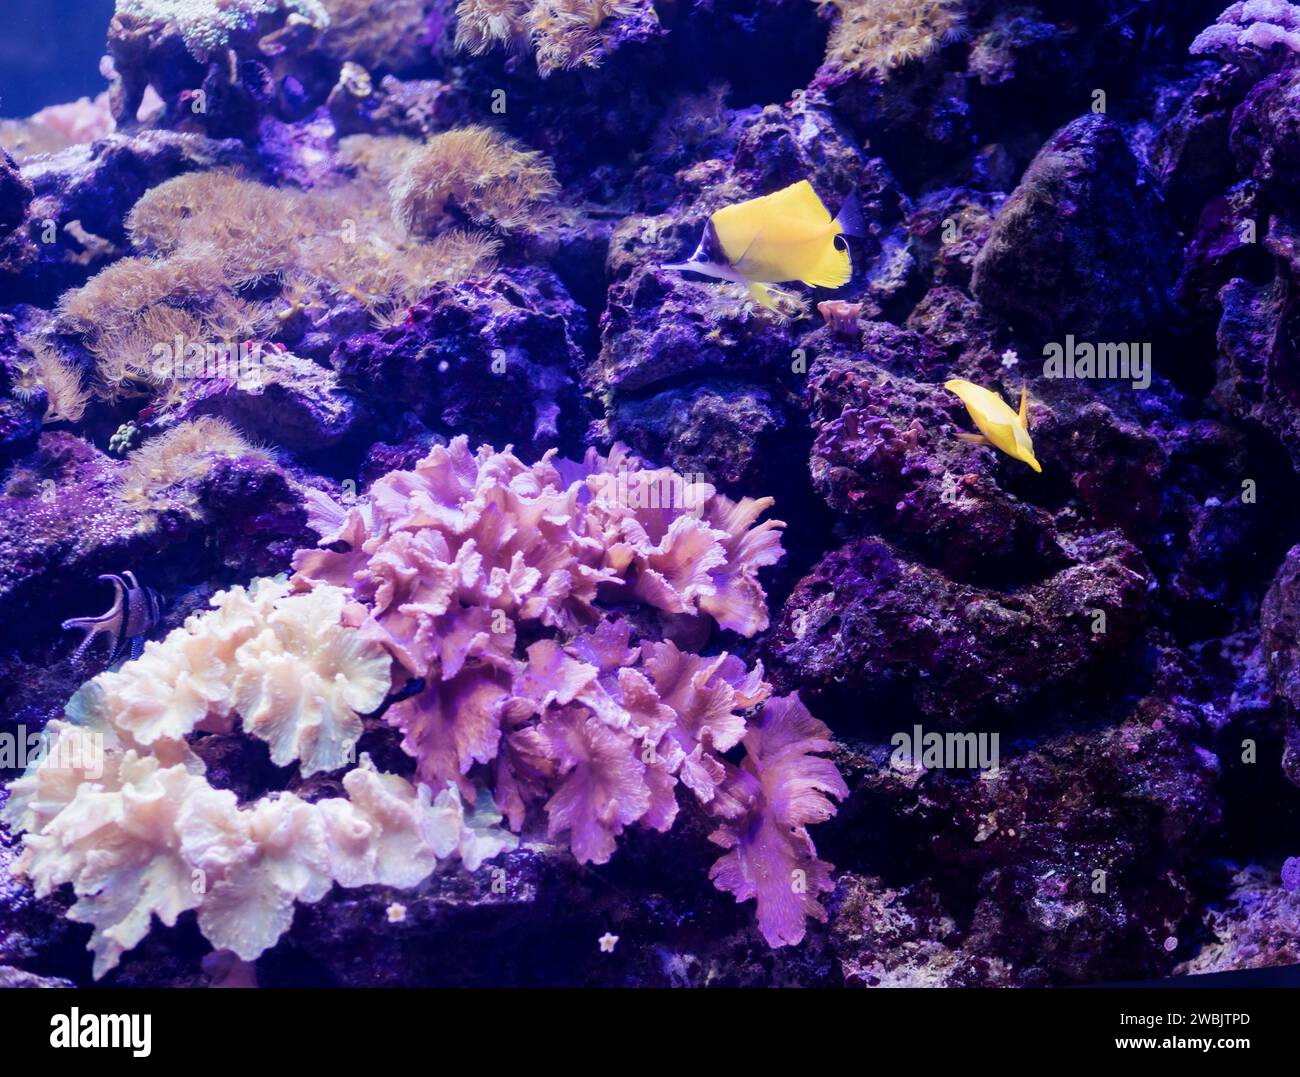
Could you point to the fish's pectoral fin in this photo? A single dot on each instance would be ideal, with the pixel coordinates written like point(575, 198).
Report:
point(739, 264)
point(973, 439)
point(763, 296)
point(92, 630)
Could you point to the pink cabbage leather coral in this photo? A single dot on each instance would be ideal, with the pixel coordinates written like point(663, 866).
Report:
point(451, 563)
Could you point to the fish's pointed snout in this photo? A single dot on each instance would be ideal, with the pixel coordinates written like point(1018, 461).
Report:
point(677, 267)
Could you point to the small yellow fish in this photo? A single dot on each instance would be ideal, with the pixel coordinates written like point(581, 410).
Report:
point(999, 426)
point(785, 236)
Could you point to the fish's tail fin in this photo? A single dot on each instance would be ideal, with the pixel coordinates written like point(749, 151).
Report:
point(850, 217)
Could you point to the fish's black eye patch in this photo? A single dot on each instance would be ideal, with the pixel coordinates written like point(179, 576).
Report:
point(841, 244)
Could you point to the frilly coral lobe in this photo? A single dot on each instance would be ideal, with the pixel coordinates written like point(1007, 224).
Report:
point(451, 562)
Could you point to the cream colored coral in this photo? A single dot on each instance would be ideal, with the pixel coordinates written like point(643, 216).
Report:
point(302, 682)
point(137, 838)
point(119, 845)
point(74, 755)
point(183, 681)
point(260, 861)
point(393, 833)
point(140, 835)
point(284, 662)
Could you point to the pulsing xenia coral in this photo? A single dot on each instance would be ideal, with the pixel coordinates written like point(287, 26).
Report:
point(873, 37)
point(452, 565)
point(120, 807)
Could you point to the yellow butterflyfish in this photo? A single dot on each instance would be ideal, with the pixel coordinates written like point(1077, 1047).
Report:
point(998, 425)
point(785, 236)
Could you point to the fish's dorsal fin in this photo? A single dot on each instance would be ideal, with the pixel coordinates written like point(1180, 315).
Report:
point(799, 200)
point(1024, 406)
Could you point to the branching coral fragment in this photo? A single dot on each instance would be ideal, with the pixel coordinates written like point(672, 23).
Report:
point(208, 238)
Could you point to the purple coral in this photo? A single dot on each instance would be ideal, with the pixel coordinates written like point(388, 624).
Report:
point(452, 562)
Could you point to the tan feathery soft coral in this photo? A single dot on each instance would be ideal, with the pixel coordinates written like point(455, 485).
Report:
point(204, 240)
point(562, 34)
point(873, 37)
point(474, 173)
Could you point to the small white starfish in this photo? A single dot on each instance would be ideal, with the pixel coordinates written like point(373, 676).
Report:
point(607, 943)
point(1010, 358)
